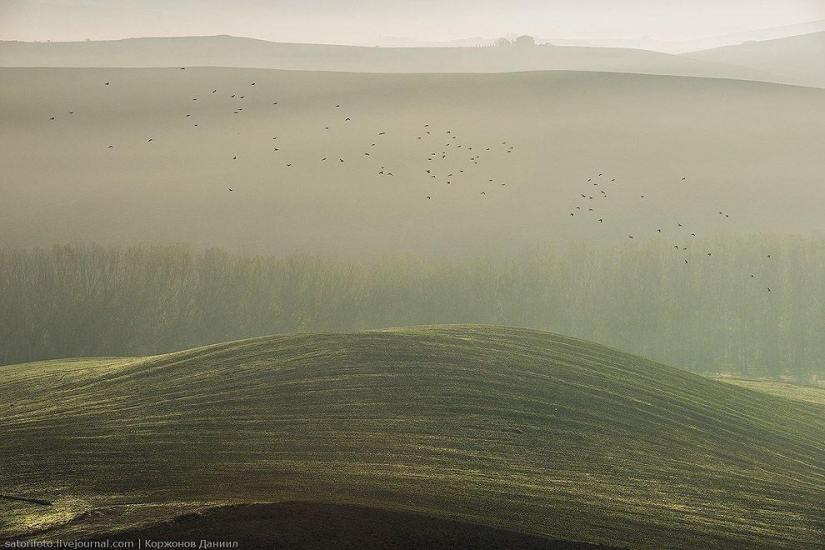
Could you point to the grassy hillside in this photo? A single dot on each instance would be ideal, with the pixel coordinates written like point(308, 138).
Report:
point(229, 51)
point(807, 394)
point(511, 428)
point(749, 149)
point(798, 58)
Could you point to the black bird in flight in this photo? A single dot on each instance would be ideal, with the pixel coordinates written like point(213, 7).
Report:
point(231, 189)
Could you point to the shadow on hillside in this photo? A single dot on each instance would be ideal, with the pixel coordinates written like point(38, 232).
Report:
point(317, 526)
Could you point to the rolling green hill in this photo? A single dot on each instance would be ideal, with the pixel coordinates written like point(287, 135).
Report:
point(808, 394)
point(511, 428)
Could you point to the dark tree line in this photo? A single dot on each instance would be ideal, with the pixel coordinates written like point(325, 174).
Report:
point(712, 314)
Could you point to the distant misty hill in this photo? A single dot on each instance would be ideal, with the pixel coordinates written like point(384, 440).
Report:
point(227, 51)
point(694, 44)
point(799, 59)
point(410, 42)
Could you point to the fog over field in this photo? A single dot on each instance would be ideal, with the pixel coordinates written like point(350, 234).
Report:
point(746, 149)
point(273, 275)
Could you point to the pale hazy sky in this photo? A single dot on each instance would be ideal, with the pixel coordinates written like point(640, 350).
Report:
point(360, 21)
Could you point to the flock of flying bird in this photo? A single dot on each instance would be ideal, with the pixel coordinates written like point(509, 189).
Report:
point(443, 162)
point(603, 183)
point(449, 146)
